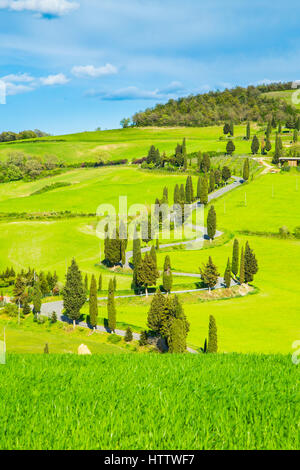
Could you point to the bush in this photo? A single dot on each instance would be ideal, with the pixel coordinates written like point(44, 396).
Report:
point(53, 318)
point(284, 232)
point(297, 232)
point(114, 339)
point(128, 336)
point(11, 310)
point(143, 339)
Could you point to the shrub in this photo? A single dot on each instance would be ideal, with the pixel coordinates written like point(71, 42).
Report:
point(53, 318)
point(297, 232)
point(284, 232)
point(128, 335)
point(11, 310)
point(143, 339)
point(114, 339)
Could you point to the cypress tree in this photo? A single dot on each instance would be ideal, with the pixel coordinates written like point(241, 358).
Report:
point(128, 335)
point(100, 283)
point(210, 274)
point(251, 266)
point(231, 129)
point(297, 124)
point(137, 259)
point(177, 337)
point(166, 195)
point(19, 289)
point(199, 188)
point(74, 294)
point(255, 145)
point(295, 136)
point(218, 177)
point(182, 195)
point(226, 173)
point(93, 303)
point(212, 182)
point(230, 147)
point(37, 298)
point(227, 275)
point(147, 273)
point(199, 160)
point(269, 130)
point(176, 194)
point(226, 128)
point(268, 145)
point(157, 244)
point(274, 122)
point(188, 191)
point(205, 163)
point(111, 309)
point(242, 267)
point(204, 191)
point(115, 283)
point(212, 336)
point(246, 170)
point(279, 128)
point(248, 131)
point(153, 255)
point(155, 313)
point(277, 154)
point(167, 275)
point(86, 283)
point(235, 257)
point(211, 223)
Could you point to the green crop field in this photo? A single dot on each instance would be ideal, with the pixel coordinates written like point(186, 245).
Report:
point(117, 402)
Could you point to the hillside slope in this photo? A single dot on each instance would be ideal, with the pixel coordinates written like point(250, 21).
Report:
point(238, 104)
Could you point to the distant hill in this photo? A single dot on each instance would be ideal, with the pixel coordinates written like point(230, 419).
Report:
point(260, 103)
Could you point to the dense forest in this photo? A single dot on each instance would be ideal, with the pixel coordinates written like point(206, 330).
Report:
point(237, 105)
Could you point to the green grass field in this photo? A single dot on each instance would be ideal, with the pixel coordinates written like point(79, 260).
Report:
point(285, 95)
point(129, 143)
point(30, 338)
point(118, 402)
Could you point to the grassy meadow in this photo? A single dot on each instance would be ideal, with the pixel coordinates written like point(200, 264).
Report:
point(131, 143)
point(117, 402)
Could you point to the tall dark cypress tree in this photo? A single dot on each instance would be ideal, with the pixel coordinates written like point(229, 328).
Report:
point(248, 131)
point(212, 336)
point(235, 257)
point(230, 147)
point(251, 266)
point(210, 274)
point(246, 170)
point(37, 298)
point(277, 153)
point(137, 259)
point(100, 283)
point(86, 283)
point(111, 309)
point(242, 267)
point(156, 312)
point(182, 195)
point(199, 188)
point(212, 182)
point(147, 274)
point(211, 223)
point(153, 255)
point(93, 303)
point(167, 275)
point(255, 145)
point(74, 293)
point(204, 191)
point(176, 194)
point(227, 275)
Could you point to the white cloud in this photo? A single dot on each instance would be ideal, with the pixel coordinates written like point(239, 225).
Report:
point(13, 89)
point(18, 78)
point(90, 71)
point(59, 79)
point(41, 7)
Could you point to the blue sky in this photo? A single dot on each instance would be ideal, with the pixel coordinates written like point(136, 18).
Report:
point(74, 65)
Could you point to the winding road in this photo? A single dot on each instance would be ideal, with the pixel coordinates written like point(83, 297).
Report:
point(57, 306)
